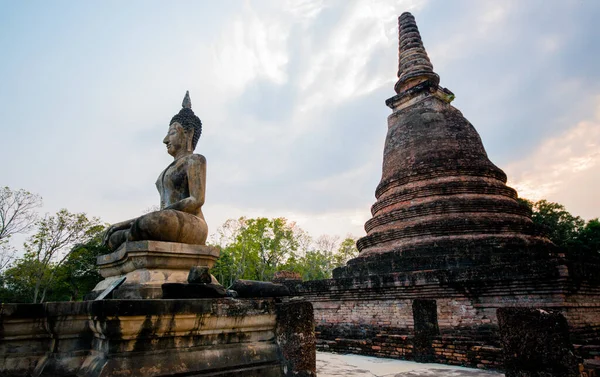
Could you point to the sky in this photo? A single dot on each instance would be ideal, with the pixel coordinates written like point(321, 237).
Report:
point(292, 99)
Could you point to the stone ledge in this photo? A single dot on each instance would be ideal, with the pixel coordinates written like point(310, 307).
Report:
point(216, 337)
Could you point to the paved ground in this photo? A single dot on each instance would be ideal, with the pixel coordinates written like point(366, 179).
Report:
point(333, 365)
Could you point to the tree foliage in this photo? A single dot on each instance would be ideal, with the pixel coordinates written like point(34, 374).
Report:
point(571, 233)
point(589, 237)
point(78, 275)
point(256, 248)
point(346, 251)
point(59, 253)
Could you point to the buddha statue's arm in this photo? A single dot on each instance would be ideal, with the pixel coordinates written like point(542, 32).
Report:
point(196, 174)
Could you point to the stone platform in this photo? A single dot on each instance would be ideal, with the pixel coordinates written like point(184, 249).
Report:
point(147, 265)
point(216, 337)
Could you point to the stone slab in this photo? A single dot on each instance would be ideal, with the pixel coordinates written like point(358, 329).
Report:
point(252, 288)
point(536, 343)
point(113, 285)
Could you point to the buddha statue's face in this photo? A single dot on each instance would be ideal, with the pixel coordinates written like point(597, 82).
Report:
point(176, 140)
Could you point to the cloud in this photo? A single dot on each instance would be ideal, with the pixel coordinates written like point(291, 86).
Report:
point(289, 144)
point(340, 62)
point(564, 169)
point(252, 46)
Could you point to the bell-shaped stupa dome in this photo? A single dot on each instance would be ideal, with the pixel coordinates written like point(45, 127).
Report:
point(441, 202)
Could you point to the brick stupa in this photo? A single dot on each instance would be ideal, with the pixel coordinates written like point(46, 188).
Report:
point(441, 202)
point(449, 244)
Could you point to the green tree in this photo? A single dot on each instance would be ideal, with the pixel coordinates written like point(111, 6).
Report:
point(225, 269)
point(325, 255)
point(50, 247)
point(571, 233)
point(589, 237)
point(314, 265)
point(18, 280)
point(556, 222)
point(346, 251)
point(316, 259)
point(255, 248)
point(78, 275)
point(235, 261)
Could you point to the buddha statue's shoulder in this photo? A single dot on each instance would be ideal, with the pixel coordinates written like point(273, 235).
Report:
point(195, 159)
point(193, 162)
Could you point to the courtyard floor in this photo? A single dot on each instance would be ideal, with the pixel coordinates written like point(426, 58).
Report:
point(333, 365)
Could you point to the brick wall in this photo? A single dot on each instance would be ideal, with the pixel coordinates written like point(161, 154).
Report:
point(374, 315)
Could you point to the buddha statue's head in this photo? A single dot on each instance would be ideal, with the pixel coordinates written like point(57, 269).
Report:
point(184, 130)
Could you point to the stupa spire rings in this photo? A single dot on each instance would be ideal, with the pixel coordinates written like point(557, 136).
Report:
point(187, 102)
point(414, 66)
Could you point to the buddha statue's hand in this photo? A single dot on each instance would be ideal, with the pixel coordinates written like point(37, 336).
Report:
point(113, 228)
point(107, 234)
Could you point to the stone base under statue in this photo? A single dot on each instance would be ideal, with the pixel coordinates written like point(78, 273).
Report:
point(147, 265)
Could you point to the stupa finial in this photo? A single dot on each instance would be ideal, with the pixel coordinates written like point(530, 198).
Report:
point(187, 102)
point(414, 66)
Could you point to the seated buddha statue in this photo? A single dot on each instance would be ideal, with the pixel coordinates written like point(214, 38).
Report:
point(181, 187)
